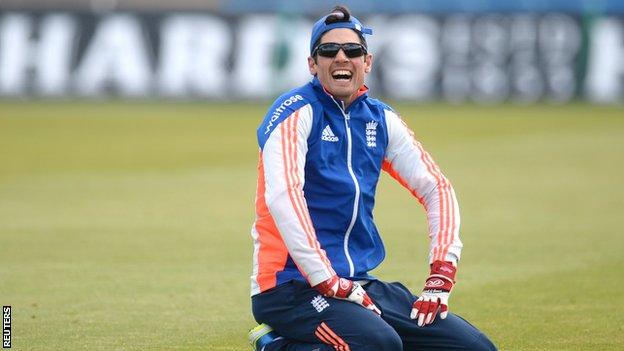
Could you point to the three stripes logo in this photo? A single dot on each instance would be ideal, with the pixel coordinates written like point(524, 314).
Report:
point(328, 135)
point(329, 337)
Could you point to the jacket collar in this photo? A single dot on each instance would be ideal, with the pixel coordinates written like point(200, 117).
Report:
point(329, 98)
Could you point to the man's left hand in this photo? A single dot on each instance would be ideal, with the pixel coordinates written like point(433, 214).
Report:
point(345, 289)
point(435, 294)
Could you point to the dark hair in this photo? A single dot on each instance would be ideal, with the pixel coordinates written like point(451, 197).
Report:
point(339, 14)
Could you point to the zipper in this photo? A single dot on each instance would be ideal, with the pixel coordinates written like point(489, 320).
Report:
point(347, 117)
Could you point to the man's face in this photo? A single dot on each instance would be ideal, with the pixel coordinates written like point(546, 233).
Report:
point(340, 75)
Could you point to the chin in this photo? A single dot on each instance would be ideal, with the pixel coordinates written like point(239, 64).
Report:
point(343, 91)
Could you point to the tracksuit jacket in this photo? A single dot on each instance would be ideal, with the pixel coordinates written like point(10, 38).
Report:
point(318, 170)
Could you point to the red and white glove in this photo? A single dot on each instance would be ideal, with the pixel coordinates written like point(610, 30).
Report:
point(345, 289)
point(435, 294)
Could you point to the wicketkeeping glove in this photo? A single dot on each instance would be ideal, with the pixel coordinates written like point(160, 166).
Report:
point(345, 289)
point(435, 294)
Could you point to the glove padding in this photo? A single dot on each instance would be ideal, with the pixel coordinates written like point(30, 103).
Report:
point(435, 294)
point(345, 289)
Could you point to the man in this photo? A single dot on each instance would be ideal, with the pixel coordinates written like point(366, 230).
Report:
point(322, 147)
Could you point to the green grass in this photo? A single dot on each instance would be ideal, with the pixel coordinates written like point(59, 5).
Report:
point(125, 226)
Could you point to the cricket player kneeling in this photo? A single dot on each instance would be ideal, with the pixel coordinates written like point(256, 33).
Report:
point(322, 149)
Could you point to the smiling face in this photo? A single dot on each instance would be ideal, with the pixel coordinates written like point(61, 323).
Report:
point(340, 75)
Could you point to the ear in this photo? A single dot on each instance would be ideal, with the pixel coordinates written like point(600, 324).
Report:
point(368, 63)
point(312, 65)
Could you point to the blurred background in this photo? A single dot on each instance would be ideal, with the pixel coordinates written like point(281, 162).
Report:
point(128, 162)
point(456, 51)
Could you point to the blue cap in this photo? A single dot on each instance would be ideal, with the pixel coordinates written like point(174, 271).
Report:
point(320, 28)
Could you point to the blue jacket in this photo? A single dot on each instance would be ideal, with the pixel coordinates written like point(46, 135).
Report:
point(317, 176)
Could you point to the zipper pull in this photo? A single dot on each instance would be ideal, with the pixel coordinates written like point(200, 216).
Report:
point(347, 116)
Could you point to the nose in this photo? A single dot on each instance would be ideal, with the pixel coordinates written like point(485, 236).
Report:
point(341, 56)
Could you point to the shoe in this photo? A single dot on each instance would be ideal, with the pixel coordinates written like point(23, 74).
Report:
point(261, 335)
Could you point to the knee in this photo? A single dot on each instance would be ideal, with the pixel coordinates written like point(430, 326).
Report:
point(482, 344)
point(383, 340)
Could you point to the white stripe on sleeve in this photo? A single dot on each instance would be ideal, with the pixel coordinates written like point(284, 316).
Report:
point(410, 164)
point(284, 156)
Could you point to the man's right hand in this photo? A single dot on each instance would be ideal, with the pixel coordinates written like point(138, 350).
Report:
point(345, 289)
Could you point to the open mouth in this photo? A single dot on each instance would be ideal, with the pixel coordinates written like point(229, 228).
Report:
point(342, 75)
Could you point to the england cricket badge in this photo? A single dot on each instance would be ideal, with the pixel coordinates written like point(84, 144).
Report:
point(371, 134)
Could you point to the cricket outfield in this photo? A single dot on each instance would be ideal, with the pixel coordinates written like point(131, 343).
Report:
point(125, 226)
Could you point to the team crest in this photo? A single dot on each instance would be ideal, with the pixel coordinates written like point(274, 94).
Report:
point(371, 134)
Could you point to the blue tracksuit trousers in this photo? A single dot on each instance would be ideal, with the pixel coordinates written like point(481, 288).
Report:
point(310, 322)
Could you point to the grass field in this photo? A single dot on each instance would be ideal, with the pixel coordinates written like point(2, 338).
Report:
point(125, 226)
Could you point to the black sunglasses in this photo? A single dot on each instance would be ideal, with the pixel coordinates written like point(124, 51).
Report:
point(352, 50)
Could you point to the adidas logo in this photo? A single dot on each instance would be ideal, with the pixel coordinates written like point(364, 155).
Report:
point(328, 135)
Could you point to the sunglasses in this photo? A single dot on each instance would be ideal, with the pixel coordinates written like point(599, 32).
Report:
point(352, 50)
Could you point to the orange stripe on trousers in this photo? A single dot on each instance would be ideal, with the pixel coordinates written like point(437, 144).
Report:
point(330, 335)
point(325, 340)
